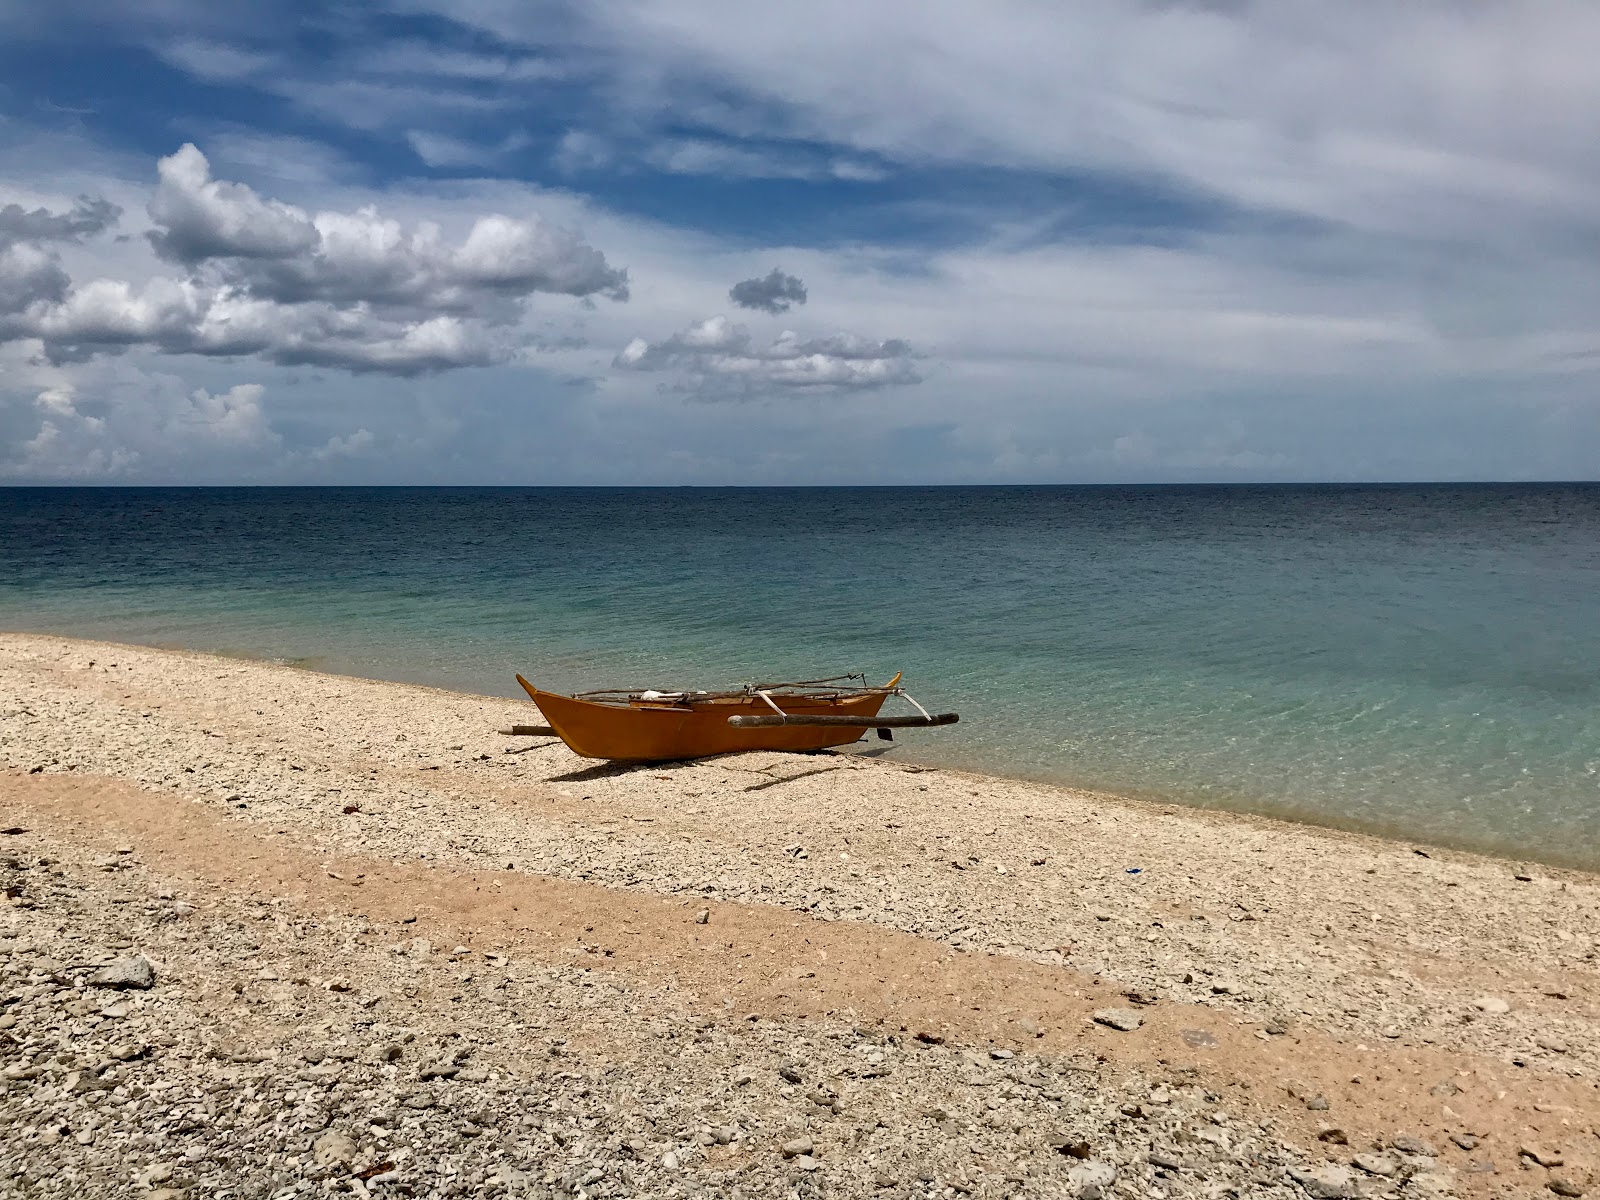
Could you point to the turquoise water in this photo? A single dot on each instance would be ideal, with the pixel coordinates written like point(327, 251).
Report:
point(1416, 660)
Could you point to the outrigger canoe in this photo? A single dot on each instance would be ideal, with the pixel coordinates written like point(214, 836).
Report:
point(652, 726)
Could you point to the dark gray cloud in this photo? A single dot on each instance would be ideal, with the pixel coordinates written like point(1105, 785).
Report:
point(88, 216)
point(773, 292)
point(267, 279)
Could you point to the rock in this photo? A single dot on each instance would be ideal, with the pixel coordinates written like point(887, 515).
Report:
point(797, 1147)
point(1492, 1004)
point(134, 971)
point(1542, 1155)
point(165, 1194)
point(669, 1160)
point(1552, 1044)
point(1317, 1103)
point(1124, 1019)
point(1167, 1162)
point(1326, 1183)
point(1377, 1164)
point(1090, 1180)
point(1408, 1144)
point(806, 1163)
point(1562, 1186)
point(1430, 1183)
point(1072, 1147)
point(789, 1074)
point(1465, 1140)
point(703, 917)
point(1333, 1135)
point(333, 1146)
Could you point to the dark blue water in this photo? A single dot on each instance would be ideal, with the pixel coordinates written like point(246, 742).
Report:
point(1419, 660)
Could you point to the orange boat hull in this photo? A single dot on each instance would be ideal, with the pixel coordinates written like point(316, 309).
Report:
point(645, 731)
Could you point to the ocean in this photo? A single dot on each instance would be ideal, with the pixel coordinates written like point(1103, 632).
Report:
point(1421, 661)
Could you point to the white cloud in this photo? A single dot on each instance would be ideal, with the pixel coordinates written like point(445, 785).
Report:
point(213, 61)
point(153, 426)
point(198, 217)
point(1427, 118)
point(343, 289)
point(717, 359)
point(701, 156)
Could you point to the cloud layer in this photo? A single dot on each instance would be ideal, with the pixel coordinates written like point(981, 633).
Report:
point(266, 279)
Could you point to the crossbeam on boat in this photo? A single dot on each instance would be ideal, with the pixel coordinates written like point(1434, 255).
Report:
point(769, 720)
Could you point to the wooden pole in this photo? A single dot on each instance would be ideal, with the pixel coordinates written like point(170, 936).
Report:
point(529, 731)
point(769, 720)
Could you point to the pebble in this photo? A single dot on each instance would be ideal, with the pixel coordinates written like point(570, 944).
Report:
point(1492, 1004)
point(797, 1147)
point(1465, 1140)
point(1562, 1186)
point(703, 917)
point(1124, 1019)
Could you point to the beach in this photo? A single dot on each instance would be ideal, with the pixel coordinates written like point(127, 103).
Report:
point(393, 952)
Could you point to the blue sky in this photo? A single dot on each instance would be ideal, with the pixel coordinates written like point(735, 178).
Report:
point(498, 242)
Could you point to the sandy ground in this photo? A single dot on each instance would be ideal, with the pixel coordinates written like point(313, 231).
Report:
point(765, 974)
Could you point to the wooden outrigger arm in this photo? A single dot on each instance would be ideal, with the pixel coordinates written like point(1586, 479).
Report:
point(765, 720)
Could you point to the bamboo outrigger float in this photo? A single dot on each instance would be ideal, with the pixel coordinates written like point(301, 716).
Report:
point(651, 726)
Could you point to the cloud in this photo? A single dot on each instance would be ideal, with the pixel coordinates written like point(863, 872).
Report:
point(30, 267)
point(198, 217)
point(212, 61)
point(353, 290)
point(703, 156)
point(720, 360)
point(774, 292)
point(88, 216)
point(153, 425)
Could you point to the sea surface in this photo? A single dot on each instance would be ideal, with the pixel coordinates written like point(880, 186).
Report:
point(1416, 660)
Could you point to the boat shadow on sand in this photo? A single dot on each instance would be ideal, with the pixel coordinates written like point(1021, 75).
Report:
point(615, 768)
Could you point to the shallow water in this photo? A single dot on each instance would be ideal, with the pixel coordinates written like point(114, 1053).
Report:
point(1415, 660)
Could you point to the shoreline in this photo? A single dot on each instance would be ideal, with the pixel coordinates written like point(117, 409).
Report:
point(1332, 993)
point(904, 752)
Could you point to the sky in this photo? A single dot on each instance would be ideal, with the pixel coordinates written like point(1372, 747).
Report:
point(707, 242)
